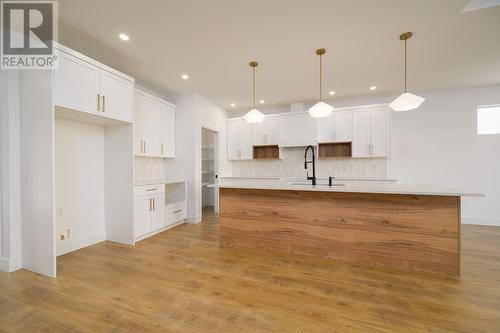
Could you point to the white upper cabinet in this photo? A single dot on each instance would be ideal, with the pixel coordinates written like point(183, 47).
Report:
point(342, 126)
point(371, 133)
point(154, 126)
point(117, 97)
point(77, 84)
point(266, 132)
point(239, 139)
point(324, 129)
point(368, 128)
point(380, 132)
point(297, 129)
point(83, 84)
point(335, 128)
point(361, 133)
point(168, 130)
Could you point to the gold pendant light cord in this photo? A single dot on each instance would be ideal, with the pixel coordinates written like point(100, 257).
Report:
point(406, 43)
point(253, 72)
point(320, 78)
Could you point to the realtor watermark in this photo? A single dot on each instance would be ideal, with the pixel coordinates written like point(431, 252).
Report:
point(28, 36)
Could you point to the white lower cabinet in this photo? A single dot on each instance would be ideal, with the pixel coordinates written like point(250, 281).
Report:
point(159, 207)
point(149, 209)
point(176, 212)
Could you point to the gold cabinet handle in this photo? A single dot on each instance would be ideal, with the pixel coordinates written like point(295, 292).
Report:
point(98, 102)
point(144, 146)
point(150, 204)
point(154, 204)
point(103, 103)
point(162, 148)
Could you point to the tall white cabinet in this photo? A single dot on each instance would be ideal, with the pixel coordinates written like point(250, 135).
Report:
point(154, 126)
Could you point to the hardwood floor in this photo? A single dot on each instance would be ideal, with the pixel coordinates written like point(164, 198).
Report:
point(181, 281)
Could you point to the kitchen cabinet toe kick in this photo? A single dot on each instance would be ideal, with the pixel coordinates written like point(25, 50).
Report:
point(413, 233)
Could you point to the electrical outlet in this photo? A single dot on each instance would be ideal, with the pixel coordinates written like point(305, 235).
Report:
point(64, 234)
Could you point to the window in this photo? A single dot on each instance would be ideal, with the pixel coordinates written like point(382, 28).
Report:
point(488, 119)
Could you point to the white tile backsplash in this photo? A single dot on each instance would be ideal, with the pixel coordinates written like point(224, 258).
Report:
point(150, 168)
point(291, 164)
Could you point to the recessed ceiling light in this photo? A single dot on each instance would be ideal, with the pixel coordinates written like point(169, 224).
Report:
point(184, 76)
point(262, 101)
point(332, 92)
point(373, 87)
point(232, 105)
point(124, 37)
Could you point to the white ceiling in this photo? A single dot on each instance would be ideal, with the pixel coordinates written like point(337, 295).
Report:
point(213, 41)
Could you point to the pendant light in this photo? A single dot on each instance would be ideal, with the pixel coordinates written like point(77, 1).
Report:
point(406, 101)
point(254, 115)
point(320, 109)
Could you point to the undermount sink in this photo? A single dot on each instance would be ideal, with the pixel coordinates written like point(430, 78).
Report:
point(309, 183)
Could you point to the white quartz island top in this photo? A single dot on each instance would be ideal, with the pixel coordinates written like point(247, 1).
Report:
point(344, 186)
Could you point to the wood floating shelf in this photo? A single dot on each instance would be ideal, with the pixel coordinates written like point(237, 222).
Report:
point(335, 149)
point(266, 152)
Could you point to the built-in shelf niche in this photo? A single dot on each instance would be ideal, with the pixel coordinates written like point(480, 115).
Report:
point(266, 152)
point(335, 149)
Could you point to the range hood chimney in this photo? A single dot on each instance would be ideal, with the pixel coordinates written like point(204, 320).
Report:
point(297, 107)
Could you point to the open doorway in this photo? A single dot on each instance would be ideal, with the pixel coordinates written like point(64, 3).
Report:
point(209, 167)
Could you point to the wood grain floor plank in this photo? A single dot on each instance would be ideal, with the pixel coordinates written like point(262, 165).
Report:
point(182, 281)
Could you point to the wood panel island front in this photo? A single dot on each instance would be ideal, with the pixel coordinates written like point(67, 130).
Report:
point(407, 228)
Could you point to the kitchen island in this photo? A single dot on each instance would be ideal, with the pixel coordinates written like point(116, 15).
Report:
point(409, 228)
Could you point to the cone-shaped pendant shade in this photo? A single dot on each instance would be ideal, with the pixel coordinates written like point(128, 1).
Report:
point(254, 116)
point(406, 101)
point(320, 109)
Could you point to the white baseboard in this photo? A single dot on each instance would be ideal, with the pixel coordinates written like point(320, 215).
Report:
point(480, 221)
point(4, 265)
point(76, 244)
point(10, 265)
point(193, 220)
point(157, 231)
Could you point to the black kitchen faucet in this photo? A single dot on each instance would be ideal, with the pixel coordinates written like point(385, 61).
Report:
point(313, 161)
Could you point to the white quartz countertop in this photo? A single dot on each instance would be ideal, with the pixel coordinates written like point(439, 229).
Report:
point(159, 182)
point(293, 179)
point(347, 186)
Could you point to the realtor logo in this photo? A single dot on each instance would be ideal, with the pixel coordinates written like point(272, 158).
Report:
point(29, 29)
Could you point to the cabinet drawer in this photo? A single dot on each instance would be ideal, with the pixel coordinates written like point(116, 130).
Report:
point(149, 190)
point(176, 212)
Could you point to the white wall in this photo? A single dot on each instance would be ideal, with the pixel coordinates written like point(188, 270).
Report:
point(37, 172)
point(10, 178)
point(79, 183)
point(438, 145)
point(195, 111)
